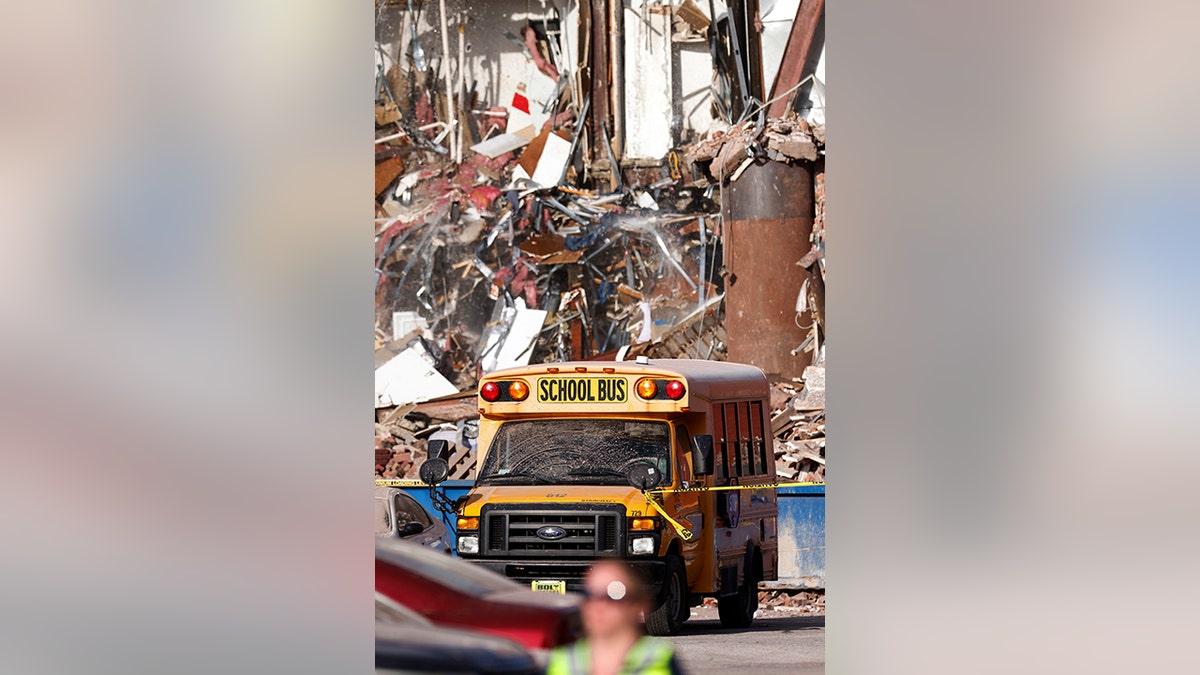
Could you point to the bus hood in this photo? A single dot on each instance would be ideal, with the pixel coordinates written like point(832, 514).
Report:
point(631, 497)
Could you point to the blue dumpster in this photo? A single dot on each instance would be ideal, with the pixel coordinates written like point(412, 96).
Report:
point(801, 538)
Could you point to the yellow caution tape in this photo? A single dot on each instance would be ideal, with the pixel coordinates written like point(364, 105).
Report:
point(764, 486)
point(400, 482)
point(684, 533)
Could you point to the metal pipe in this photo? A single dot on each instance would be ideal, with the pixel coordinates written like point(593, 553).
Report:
point(598, 72)
point(416, 254)
point(403, 134)
point(740, 63)
point(616, 48)
point(768, 217)
point(461, 87)
point(567, 212)
point(667, 254)
point(614, 165)
point(587, 101)
point(446, 74)
point(593, 254)
point(703, 260)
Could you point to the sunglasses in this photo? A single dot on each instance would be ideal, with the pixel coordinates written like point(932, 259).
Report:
point(614, 592)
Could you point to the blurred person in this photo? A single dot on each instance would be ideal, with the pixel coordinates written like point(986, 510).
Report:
point(615, 601)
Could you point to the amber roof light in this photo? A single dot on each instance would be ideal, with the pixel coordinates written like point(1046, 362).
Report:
point(647, 388)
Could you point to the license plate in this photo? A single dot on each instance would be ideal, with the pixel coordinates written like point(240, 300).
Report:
point(582, 390)
point(550, 586)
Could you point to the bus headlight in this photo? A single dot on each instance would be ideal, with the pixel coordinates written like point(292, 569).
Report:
point(643, 545)
point(468, 544)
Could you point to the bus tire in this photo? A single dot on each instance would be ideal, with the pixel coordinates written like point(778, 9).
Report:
point(671, 607)
point(737, 611)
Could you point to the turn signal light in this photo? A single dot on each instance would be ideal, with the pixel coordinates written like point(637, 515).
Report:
point(647, 388)
point(641, 524)
point(468, 523)
point(675, 390)
point(518, 390)
point(490, 391)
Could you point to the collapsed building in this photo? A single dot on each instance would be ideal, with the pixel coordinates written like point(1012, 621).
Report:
point(596, 180)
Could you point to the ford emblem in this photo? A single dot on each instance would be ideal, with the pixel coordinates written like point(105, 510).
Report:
point(551, 532)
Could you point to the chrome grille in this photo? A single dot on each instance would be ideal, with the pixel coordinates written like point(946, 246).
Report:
point(496, 533)
point(512, 531)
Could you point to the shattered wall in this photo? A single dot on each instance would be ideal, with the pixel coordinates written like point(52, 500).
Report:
point(493, 47)
point(666, 62)
point(522, 244)
point(649, 58)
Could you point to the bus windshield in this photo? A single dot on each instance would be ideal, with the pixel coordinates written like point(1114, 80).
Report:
point(575, 451)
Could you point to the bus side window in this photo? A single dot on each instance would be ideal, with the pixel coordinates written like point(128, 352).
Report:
point(732, 438)
point(744, 441)
point(718, 420)
point(758, 440)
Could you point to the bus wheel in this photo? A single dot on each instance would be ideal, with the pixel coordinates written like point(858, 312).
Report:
point(672, 606)
point(737, 611)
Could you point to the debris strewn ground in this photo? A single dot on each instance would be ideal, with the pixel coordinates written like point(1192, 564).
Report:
point(789, 603)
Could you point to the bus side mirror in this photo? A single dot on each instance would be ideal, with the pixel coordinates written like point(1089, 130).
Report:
point(435, 469)
point(438, 448)
point(702, 455)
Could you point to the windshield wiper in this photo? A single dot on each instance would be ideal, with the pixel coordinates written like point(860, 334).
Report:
point(516, 474)
point(595, 471)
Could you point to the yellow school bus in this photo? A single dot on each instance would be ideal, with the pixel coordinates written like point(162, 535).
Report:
point(572, 454)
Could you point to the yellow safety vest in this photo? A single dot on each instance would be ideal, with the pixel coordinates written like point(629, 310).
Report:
point(647, 657)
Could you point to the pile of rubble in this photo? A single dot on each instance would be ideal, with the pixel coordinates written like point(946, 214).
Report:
point(508, 232)
point(798, 423)
point(402, 436)
point(802, 602)
point(791, 602)
point(516, 222)
point(478, 270)
point(726, 154)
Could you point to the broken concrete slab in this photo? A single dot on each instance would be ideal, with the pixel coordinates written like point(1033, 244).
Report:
point(504, 143)
point(812, 397)
point(510, 343)
point(409, 377)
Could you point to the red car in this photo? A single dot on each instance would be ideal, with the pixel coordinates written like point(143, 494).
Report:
point(453, 592)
